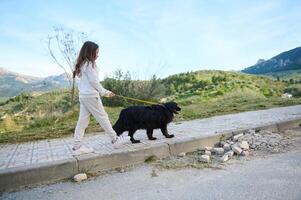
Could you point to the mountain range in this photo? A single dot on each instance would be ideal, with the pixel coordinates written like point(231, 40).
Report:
point(12, 83)
point(285, 61)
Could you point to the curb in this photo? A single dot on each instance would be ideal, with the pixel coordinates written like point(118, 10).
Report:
point(15, 178)
point(96, 163)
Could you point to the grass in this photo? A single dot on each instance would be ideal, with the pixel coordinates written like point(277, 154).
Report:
point(234, 102)
point(3, 99)
point(49, 127)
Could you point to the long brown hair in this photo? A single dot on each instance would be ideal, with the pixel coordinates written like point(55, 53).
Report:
point(87, 54)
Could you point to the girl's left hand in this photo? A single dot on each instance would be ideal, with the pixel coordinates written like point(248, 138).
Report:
point(112, 94)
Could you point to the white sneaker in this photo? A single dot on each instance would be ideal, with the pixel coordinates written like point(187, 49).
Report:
point(82, 150)
point(120, 141)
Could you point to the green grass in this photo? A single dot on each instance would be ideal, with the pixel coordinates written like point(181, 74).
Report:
point(201, 94)
point(3, 99)
point(231, 103)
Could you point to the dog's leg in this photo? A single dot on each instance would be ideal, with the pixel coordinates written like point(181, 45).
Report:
point(131, 134)
point(149, 133)
point(165, 132)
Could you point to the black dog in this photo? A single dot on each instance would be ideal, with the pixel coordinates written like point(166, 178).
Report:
point(146, 117)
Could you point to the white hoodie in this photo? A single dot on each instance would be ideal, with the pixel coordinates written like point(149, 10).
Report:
point(89, 83)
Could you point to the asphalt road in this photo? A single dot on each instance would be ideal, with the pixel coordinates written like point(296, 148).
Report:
point(276, 176)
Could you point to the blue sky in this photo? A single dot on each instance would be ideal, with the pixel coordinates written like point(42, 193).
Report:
point(159, 36)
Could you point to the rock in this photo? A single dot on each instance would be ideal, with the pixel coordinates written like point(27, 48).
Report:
point(248, 138)
point(207, 148)
point(257, 144)
point(230, 153)
point(222, 143)
point(80, 177)
point(268, 132)
point(245, 153)
point(205, 158)
point(250, 131)
point(235, 137)
point(244, 145)
point(182, 154)
point(227, 147)
point(208, 153)
point(218, 151)
point(237, 150)
point(229, 142)
point(224, 158)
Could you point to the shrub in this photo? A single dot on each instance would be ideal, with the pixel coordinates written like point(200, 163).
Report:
point(295, 90)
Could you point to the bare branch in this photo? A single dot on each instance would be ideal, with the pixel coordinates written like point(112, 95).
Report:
point(54, 59)
point(62, 48)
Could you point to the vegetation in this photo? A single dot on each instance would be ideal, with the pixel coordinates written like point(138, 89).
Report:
point(3, 99)
point(287, 76)
point(122, 84)
point(201, 94)
point(294, 89)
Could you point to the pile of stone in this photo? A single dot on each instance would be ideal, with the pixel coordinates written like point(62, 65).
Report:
point(225, 150)
point(241, 144)
point(264, 140)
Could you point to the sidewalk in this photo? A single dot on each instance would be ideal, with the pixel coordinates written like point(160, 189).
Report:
point(51, 160)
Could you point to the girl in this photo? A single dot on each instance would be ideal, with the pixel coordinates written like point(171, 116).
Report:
point(90, 102)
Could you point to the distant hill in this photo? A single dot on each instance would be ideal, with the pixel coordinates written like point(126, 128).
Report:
point(12, 84)
point(286, 61)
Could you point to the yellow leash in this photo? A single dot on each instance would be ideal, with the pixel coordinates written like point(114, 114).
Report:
point(133, 99)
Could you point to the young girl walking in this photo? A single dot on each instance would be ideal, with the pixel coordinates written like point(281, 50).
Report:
point(90, 90)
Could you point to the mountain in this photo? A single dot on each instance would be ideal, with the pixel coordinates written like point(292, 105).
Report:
point(12, 83)
point(288, 60)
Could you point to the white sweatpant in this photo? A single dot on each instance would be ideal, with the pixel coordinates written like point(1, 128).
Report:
point(88, 106)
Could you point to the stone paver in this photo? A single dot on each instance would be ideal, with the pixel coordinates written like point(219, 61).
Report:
point(31, 153)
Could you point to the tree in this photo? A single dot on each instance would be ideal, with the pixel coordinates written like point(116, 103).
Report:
point(63, 46)
point(123, 84)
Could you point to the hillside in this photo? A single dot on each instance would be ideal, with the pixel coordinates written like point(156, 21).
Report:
point(200, 94)
point(290, 75)
point(289, 60)
point(210, 83)
point(12, 84)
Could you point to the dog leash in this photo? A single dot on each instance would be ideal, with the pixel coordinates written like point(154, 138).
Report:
point(142, 101)
point(133, 99)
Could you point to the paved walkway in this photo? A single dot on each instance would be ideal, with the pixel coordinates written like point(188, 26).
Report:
point(47, 151)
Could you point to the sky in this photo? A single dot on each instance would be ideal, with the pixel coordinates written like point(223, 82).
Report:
point(161, 37)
